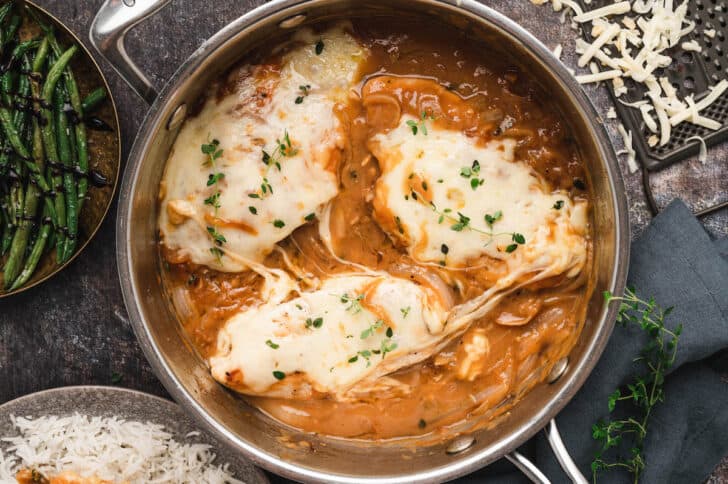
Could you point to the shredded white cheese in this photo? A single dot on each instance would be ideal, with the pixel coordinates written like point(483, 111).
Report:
point(557, 51)
point(703, 153)
point(628, 149)
point(600, 76)
point(613, 9)
point(691, 46)
point(635, 46)
point(692, 111)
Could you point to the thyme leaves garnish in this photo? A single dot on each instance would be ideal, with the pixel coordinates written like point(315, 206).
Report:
point(217, 252)
point(471, 172)
point(216, 236)
point(372, 328)
point(420, 126)
point(354, 303)
point(304, 92)
point(213, 152)
point(314, 322)
point(284, 149)
point(214, 201)
point(462, 222)
point(213, 178)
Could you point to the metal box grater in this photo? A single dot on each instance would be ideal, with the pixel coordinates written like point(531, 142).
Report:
point(689, 73)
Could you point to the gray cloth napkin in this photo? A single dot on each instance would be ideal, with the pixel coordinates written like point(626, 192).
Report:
point(676, 262)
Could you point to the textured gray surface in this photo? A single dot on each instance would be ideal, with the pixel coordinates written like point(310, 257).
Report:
point(73, 329)
point(126, 404)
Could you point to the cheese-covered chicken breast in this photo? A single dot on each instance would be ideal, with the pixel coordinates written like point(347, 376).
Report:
point(352, 330)
point(256, 164)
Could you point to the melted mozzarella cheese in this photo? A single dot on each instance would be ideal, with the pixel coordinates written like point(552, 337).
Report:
point(434, 197)
point(343, 351)
point(259, 204)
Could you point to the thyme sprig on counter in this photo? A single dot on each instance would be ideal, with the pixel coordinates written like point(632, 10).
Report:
point(622, 439)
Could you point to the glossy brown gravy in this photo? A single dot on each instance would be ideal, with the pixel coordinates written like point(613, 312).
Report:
point(466, 87)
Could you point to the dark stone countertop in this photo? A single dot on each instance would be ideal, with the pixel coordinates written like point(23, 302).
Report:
point(73, 329)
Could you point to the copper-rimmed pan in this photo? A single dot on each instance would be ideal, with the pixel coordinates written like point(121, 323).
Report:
point(104, 149)
point(186, 376)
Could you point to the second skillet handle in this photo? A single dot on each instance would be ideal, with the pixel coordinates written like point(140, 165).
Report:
point(562, 455)
point(108, 31)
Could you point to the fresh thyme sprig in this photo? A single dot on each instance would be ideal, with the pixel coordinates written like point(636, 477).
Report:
point(622, 439)
point(213, 152)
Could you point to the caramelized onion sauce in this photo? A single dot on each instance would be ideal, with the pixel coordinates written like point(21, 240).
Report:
point(467, 87)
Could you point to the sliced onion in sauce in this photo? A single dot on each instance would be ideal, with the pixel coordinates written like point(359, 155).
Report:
point(183, 303)
point(383, 110)
point(427, 278)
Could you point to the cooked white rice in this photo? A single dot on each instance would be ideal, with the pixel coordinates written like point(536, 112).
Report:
point(108, 448)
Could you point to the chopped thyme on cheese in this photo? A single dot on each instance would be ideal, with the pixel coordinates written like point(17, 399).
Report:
point(471, 173)
point(217, 252)
point(212, 151)
point(284, 148)
point(214, 200)
point(314, 322)
point(304, 92)
point(420, 126)
point(213, 178)
point(462, 222)
point(371, 329)
point(216, 236)
point(354, 303)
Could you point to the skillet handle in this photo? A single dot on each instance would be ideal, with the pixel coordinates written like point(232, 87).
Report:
point(562, 455)
point(108, 31)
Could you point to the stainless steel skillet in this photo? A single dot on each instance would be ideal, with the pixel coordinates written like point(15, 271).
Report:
point(186, 377)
